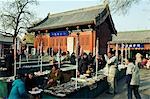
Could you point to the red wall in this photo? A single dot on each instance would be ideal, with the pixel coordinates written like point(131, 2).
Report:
point(86, 40)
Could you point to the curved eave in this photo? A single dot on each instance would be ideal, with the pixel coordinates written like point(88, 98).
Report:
point(61, 26)
point(130, 41)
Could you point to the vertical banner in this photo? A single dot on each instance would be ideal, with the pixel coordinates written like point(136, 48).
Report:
point(59, 56)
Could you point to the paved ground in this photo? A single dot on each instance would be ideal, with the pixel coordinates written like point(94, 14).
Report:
point(122, 90)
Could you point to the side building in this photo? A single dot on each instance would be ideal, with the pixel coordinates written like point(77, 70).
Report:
point(5, 44)
point(60, 30)
point(132, 42)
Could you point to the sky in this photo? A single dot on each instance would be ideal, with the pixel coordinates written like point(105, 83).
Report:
point(137, 18)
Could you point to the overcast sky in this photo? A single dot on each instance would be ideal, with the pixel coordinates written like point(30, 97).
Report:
point(137, 18)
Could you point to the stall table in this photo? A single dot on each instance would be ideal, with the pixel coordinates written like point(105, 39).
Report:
point(87, 88)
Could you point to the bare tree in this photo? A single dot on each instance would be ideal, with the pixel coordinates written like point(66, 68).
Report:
point(16, 16)
point(15, 19)
point(122, 6)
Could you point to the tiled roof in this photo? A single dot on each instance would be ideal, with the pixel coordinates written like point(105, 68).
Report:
point(132, 37)
point(70, 18)
point(6, 39)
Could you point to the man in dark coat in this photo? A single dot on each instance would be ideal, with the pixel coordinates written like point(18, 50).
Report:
point(73, 58)
point(9, 60)
point(83, 64)
point(90, 58)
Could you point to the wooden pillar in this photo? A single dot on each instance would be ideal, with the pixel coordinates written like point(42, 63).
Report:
point(52, 52)
point(41, 47)
point(77, 57)
point(97, 54)
point(128, 52)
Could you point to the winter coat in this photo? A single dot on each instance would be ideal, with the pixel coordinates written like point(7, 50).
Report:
point(111, 66)
point(129, 70)
point(130, 67)
point(18, 90)
point(83, 65)
point(30, 83)
point(135, 80)
point(73, 59)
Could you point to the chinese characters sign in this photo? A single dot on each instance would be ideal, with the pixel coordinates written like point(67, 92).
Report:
point(59, 33)
point(134, 45)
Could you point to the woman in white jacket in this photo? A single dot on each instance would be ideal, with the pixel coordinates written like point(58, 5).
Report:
point(135, 82)
point(111, 71)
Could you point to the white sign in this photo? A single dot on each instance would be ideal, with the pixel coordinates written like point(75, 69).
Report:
point(70, 44)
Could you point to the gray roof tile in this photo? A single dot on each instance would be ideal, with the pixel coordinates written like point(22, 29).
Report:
point(70, 18)
point(7, 39)
point(132, 37)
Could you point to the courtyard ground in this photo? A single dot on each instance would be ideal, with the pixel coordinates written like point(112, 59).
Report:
point(122, 89)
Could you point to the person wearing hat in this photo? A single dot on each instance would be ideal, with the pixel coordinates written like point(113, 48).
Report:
point(111, 71)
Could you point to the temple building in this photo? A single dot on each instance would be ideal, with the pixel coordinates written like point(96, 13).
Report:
point(61, 30)
point(6, 43)
point(132, 42)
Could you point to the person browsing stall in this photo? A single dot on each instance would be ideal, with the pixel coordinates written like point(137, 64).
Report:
point(83, 64)
point(30, 82)
point(54, 76)
point(111, 65)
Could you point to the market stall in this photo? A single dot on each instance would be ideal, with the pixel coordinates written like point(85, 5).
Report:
point(86, 88)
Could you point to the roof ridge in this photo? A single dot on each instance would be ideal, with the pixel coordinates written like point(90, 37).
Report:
point(76, 10)
point(134, 31)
